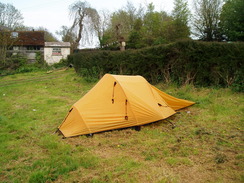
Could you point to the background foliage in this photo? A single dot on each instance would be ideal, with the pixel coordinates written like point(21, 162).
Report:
point(232, 20)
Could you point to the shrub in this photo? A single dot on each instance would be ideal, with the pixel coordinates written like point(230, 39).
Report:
point(26, 68)
point(39, 58)
point(15, 61)
point(61, 63)
point(183, 62)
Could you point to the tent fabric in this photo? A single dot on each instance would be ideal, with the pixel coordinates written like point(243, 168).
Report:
point(119, 101)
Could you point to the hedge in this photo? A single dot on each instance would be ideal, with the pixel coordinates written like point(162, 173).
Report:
point(183, 62)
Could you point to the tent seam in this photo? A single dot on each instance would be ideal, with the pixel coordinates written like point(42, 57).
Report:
point(85, 122)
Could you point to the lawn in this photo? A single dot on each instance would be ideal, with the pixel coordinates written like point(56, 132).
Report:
point(206, 144)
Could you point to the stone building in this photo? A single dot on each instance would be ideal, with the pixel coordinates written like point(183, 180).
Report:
point(55, 51)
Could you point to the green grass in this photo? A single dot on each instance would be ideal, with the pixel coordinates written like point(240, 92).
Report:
point(205, 146)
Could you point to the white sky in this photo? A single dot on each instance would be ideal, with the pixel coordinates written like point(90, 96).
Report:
point(52, 14)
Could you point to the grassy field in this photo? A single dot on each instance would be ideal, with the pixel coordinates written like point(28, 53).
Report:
point(205, 146)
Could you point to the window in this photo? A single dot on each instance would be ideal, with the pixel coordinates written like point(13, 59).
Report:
point(15, 48)
point(14, 34)
point(56, 51)
point(33, 47)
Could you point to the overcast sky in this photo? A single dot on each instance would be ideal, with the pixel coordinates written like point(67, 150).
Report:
point(52, 14)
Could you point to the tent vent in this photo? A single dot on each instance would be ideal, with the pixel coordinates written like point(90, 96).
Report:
point(70, 109)
point(160, 105)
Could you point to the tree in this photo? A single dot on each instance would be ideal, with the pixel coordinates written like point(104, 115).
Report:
point(135, 38)
point(206, 19)
point(48, 36)
point(152, 25)
point(84, 18)
point(4, 42)
point(10, 16)
point(122, 24)
point(67, 36)
point(181, 14)
point(232, 20)
point(157, 27)
point(101, 25)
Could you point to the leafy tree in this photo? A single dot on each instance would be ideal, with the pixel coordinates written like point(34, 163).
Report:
point(181, 14)
point(122, 20)
point(48, 36)
point(10, 16)
point(232, 20)
point(145, 28)
point(152, 23)
point(4, 42)
point(157, 27)
point(206, 20)
point(135, 38)
point(66, 34)
point(122, 24)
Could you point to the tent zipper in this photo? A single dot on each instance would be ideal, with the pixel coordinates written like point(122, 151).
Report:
point(126, 116)
point(113, 92)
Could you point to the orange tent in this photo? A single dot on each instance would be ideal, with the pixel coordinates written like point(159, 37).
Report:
point(119, 101)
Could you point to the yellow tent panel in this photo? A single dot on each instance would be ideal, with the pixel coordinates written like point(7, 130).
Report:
point(119, 101)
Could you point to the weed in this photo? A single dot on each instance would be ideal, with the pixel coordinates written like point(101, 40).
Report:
point(151, 154)
point(127, 164)
point(220, 158)
point(95, 180)
point(178, 161)
point(38, 177)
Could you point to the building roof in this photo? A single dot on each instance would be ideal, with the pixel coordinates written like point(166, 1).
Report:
point(4, 28)
point(30, 38)
point(57, 44)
